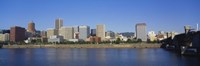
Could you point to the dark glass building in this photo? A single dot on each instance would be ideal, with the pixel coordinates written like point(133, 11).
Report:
point(93, 32)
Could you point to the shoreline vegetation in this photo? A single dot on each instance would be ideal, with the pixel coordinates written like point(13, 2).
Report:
point(136, 45)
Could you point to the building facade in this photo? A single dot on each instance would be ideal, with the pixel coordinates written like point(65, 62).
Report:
point(51, 32)
point(55, 39)
point(31, 27)
point(100, 31)
point(151, 36)
point(5, 37)
point(84, 32)
point(43, 34)
point(93, 32)
point(95, 39)
point(58, 23)
point(110, 34)
point(17, 34)
point(66, 32)
point(141, 31)
point(76, 32)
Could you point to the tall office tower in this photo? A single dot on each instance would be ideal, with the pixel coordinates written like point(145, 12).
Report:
point(58, 23)
point(17, 34)
point(66, 32)
point(31, 27)
point(84, 32)
point(51, 32)
point(93, 32)
point(141, 31)
point(100, 31)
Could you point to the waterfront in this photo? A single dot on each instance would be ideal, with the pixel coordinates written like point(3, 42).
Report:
point(93, 57)
point(143, 45)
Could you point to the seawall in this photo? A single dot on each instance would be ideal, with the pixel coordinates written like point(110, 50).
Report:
point(86, 46)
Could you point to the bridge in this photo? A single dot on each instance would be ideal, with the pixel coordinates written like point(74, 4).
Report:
point(183, 43)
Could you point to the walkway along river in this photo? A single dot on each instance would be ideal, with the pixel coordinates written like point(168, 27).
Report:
point(86, 46)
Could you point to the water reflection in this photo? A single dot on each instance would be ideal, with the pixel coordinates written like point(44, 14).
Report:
point(93, 57)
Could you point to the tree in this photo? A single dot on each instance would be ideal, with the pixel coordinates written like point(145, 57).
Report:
point(129, 41)
point(118, 41)
point(139, 40)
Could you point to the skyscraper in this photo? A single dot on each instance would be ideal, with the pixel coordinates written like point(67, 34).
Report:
point(93, 32)
point(31, 27)
point(58, 23)
point(76, 29)
point(17, 34)
point(84, 32)
point(100, 31)
point(141, 31)
point(66, 32)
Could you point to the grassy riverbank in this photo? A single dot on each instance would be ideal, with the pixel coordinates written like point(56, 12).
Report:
point(85, 46)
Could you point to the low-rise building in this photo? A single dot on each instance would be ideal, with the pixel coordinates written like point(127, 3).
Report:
point(95, 39)
point(152, 36)
point(55, 39)
point(73, 40)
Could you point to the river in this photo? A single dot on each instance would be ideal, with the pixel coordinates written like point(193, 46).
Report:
point(94, 57)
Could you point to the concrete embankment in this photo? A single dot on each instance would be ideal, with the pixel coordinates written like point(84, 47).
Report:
point(86, 46)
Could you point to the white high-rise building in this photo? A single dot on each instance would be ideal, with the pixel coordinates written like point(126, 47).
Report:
point(84, 32)
point(141, 31)
point(100, 31)
point(67, 32)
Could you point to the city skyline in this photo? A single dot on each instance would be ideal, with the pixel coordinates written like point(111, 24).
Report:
point(170, 15)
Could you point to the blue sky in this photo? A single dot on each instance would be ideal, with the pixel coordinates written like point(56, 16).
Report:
point(117, 15)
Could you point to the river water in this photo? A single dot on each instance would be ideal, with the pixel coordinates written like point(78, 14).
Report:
point(94, 57)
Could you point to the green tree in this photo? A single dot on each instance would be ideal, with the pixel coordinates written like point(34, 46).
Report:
point(139, 40)
point(118, 41)
point(129, 41)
